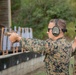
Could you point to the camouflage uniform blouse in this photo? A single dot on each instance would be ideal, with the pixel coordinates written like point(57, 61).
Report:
point(57, 54)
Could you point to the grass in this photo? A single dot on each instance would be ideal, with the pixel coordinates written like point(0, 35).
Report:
point(71, 66)
point(41, 73)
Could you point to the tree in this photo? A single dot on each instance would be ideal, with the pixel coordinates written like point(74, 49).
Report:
point(37, 13)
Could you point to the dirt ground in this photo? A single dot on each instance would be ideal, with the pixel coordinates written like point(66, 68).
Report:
point(39, 71)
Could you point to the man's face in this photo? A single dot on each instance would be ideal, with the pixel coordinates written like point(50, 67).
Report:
point(50, 26)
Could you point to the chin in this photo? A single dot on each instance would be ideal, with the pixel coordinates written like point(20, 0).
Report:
point(50, 37)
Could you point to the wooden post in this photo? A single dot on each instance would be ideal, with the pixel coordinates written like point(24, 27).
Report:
point(2, 30)
point(1, 33)
point(9, 13)
point(4, 42)
point(5, 12)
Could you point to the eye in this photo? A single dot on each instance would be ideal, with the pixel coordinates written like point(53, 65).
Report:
point(49, 29)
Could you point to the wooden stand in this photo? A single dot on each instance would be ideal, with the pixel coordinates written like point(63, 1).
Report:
point(22, 49)
point(1, 34)
point(4, 52)
point(15, 49)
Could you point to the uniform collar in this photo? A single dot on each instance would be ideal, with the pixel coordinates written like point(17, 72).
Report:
point(57, 39)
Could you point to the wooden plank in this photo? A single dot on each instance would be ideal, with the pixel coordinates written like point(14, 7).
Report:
point(4, 43)
point(9, 42)
point(30, 33)
point(1, 40)
point(26, 32)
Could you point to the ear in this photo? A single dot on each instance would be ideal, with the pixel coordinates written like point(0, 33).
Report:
point(55, 31)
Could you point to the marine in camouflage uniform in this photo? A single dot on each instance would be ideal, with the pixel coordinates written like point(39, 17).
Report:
point(57, 54)
point(57, 49)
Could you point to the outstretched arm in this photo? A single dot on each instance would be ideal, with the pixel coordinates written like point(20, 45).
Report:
point(35, 45)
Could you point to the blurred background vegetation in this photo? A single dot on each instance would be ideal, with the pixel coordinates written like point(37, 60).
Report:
point(37, 14)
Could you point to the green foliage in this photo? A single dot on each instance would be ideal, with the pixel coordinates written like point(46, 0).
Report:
point(71, 30)
point(37, 13)
point(15, 5)
point(73, 6)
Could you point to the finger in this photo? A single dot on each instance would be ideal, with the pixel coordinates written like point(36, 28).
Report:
point(7, 33)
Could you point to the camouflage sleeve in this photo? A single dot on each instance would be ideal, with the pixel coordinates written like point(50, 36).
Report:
point(35, 45)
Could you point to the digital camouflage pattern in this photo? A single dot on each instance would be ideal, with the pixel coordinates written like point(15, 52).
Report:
point(57, 54)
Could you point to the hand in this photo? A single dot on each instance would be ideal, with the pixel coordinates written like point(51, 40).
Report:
point(14, 37)
point(74, 44)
